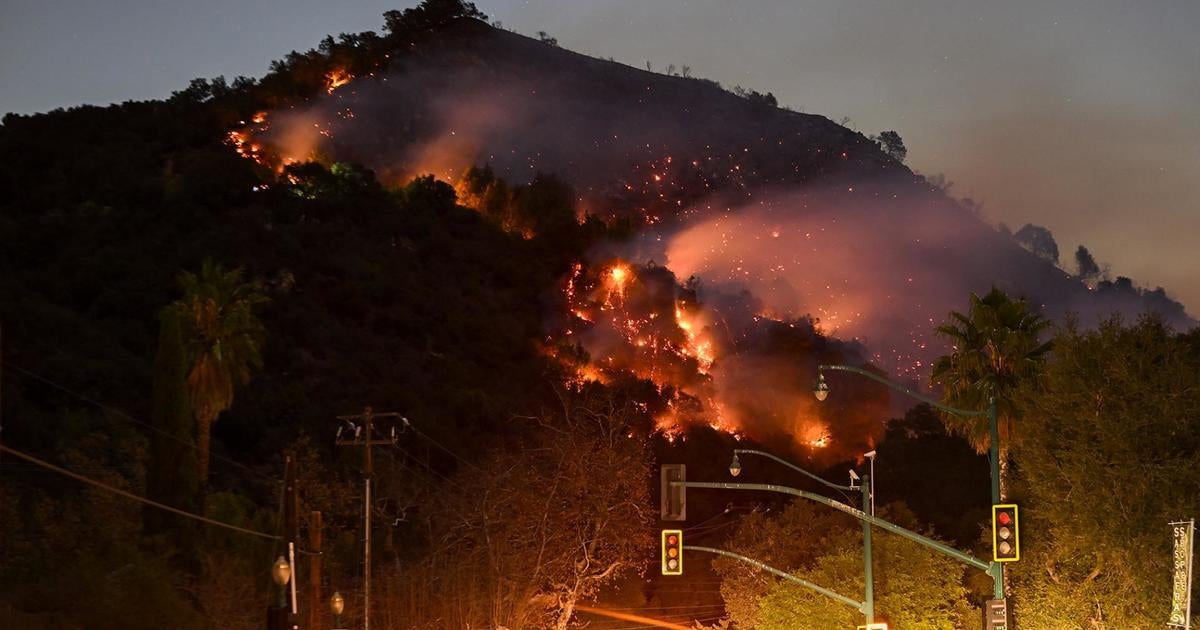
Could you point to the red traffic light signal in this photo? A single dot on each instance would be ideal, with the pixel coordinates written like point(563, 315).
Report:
point(672, 552)
point(1006, 542)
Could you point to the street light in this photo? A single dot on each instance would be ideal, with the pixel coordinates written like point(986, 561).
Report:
point(735, 468)
point(336, 605)
point(281, 572)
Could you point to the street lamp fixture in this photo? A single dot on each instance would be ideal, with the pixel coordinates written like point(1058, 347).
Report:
point(735, 467)
point(281, 573)
point(336, 605)
point(821, 389)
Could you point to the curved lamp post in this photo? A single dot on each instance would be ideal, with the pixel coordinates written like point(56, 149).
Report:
point(868, 605)
point(821, 391)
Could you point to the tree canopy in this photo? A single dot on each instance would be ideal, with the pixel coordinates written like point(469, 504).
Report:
point(1111, 455)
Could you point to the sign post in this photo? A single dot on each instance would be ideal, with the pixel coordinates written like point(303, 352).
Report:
point(1181, 575)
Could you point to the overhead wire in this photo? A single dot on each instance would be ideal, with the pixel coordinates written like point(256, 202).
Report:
point(129, 495)
point(129, 417)
point(408, 423)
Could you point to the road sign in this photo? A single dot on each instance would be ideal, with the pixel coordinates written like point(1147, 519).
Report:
point(1181, 574)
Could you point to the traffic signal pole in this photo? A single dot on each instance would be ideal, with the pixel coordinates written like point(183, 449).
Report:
point(994, 458)
point(996, 570)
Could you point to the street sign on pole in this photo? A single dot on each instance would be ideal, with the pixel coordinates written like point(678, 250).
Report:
point(1181, 574)
point(673, 498)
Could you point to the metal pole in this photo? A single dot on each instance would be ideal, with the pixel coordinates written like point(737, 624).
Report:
point(292, 527)
point(994, 456)
point(315, 602)
point(868, 564)
point(367, 415)
point(292, 581)
point(873, 484)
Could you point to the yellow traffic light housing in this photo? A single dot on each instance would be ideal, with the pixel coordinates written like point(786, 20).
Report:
point(1006, 540)
point(672, 552)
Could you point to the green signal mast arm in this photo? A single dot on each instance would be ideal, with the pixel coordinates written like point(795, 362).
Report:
point(859, 606)
point(856, 513)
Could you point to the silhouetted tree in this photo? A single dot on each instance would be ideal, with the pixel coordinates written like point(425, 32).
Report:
point(429, 13)
point(1111, 455)
point(222, 337)
point(1085, 264)
point(1038, 240)
point(997, 349)
point(171, 477)
point(893, 145)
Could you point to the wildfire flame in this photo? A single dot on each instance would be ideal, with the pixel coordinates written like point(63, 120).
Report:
point(336, 78)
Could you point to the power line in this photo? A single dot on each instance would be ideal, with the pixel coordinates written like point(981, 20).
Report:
point(449, 452)
point(130, 418)
point(130, 495)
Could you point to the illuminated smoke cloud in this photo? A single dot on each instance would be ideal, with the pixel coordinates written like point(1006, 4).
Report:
point(780, 215)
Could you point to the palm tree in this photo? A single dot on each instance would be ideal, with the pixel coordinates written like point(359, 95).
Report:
point(996, 348)
point(222, 336)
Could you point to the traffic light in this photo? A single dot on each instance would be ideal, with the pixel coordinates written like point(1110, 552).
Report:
point(672, 552)
point(1006, 542)
point(673, 499)
point(995, 615)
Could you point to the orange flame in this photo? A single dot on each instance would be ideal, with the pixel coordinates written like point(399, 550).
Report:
point(336, 78)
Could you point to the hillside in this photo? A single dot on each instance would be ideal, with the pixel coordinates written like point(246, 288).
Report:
point(595, 237)
point(718, 185)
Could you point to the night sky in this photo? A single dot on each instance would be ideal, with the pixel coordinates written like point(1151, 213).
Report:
point(1083, 117)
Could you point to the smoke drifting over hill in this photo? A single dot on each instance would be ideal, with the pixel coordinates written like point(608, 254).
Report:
point(780, 215)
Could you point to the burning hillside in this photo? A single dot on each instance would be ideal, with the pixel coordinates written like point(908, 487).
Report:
point(773, 230)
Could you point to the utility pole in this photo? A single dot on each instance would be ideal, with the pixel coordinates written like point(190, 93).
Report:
point(315, 603)
point(363, 425)
point(291, 534)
